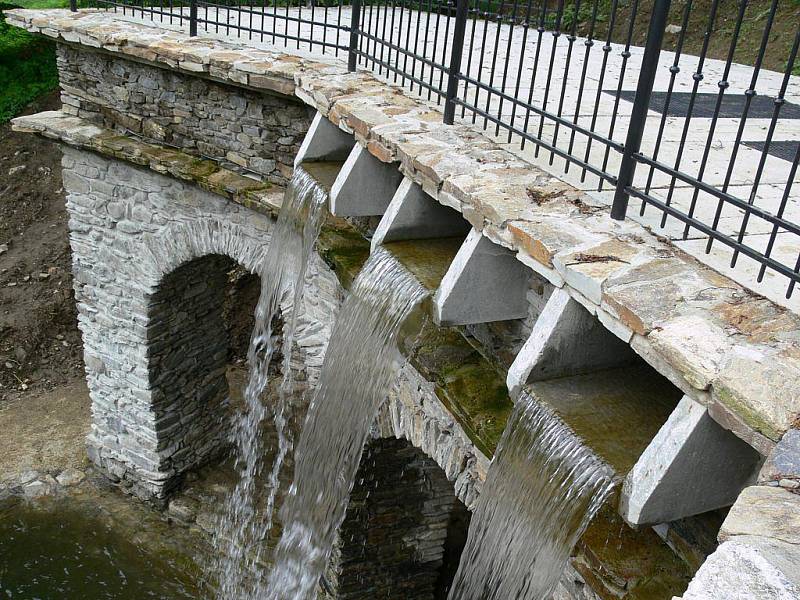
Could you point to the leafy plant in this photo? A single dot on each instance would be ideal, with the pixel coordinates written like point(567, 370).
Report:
point(27, 67)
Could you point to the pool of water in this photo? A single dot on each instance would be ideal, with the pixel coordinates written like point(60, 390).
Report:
point(61, 553)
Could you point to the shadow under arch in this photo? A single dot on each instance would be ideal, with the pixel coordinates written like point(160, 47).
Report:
point(199, 319)
point(404, 530)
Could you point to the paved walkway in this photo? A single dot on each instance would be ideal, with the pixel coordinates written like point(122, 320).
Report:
point(592, 96)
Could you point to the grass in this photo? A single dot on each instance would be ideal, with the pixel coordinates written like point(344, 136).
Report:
point(27, 63)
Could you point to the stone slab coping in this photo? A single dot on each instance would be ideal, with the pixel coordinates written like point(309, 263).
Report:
point(207, 174)
point(728, 348)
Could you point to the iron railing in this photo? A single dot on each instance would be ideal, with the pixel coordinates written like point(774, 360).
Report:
point(659, 101)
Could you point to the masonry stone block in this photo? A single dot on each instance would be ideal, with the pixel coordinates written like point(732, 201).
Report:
point(365, 185)
point(692, 466)
point(413, 215)
point(484, 283)
point(565, 340)
point(324, 141)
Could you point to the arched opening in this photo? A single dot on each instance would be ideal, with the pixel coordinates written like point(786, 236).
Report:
point(198, 330)
point(404, 530)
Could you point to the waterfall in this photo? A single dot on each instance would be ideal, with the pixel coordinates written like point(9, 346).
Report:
point(246, 518)
point(541, 491)
point(361, 359)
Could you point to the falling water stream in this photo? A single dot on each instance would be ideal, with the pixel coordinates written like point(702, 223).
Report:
point(246, 518)
point(541, 492)
point(361, 358)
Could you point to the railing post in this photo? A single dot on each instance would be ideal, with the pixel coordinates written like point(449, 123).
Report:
point(73, 5)
point(192, 18)
point(641, 104)
point(355, 31)
point(455, 61)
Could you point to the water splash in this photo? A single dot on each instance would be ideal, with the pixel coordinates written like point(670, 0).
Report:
point(361, 359)
point(541, 492)
point(246, 519)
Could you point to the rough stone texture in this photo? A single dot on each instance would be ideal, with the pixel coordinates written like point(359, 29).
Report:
point(256, 131)
point(400, 517)
point(770, 512)
point(148, 266)
point(554, 229)
point(745, 569)
point(783, 463)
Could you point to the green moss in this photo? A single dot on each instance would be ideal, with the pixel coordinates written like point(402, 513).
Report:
point(427, 260)
point(27, 68)
point(345, 250)
point(471, 387)
point(620, 562)
point(749, 416)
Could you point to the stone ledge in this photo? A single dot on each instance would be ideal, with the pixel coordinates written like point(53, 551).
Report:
point(252, 193)
point(728, 348)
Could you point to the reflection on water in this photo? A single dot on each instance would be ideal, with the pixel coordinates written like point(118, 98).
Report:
point(65, 554)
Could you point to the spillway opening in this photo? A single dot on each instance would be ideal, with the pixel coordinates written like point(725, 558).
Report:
point(404, 530)
point(198, 327)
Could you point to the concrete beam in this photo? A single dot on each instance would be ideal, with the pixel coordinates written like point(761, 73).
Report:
point(414, 215)
point(484, 283)
point(566, 340)
point(324, 141)
point(365, 186)
point(692, 466)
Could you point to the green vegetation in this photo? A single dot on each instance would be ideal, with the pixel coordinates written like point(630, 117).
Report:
point(27, 63)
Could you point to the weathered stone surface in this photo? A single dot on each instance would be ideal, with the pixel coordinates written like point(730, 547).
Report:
point(748, 569)
point(770, 512)
point(656, 298)
point(784, 461)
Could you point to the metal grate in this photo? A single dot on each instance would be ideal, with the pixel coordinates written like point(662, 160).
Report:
point(706, 142)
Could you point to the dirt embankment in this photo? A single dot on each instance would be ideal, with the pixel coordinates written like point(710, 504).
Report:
point(40, 345)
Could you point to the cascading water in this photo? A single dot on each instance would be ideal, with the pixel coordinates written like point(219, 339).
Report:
point(541, 492)
point(246, 518)
point(362, 356)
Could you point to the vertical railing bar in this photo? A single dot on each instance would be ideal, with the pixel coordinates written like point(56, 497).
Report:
point(476, 14)
point(626, 54)
point(570, 44)
point(606, 52)
point(749, 95)
point(416, 45)
point(556, 35)
point(408, 39)
point(490, 86)
point(507, 64)
point(780, 100)
point(641, 105)
point(540, 30)
point(524, 46)
point(697, 77)
point(192, 18)
point(723, 85)
point(589, 44)
point(673, 74)
point(442, 68)
point(355, 26)
point(456, 54)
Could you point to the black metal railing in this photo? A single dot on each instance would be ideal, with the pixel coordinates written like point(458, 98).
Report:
point(691, 110)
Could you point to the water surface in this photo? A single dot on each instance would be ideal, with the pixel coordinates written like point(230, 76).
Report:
point(62, 553)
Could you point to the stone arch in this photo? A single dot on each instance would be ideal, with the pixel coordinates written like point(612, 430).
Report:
point(132, 230)
point(404, 529)
point(188, 355)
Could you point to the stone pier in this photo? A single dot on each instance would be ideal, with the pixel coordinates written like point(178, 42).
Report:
point(176, 154)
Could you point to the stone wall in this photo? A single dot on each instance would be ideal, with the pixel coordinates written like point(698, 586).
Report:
point(393, 540)
point(260, 132)
point(148, 264)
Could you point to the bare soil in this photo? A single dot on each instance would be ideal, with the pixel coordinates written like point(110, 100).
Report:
point(40, 345)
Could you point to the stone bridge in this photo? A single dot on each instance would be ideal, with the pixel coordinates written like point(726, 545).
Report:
point(176, 153)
